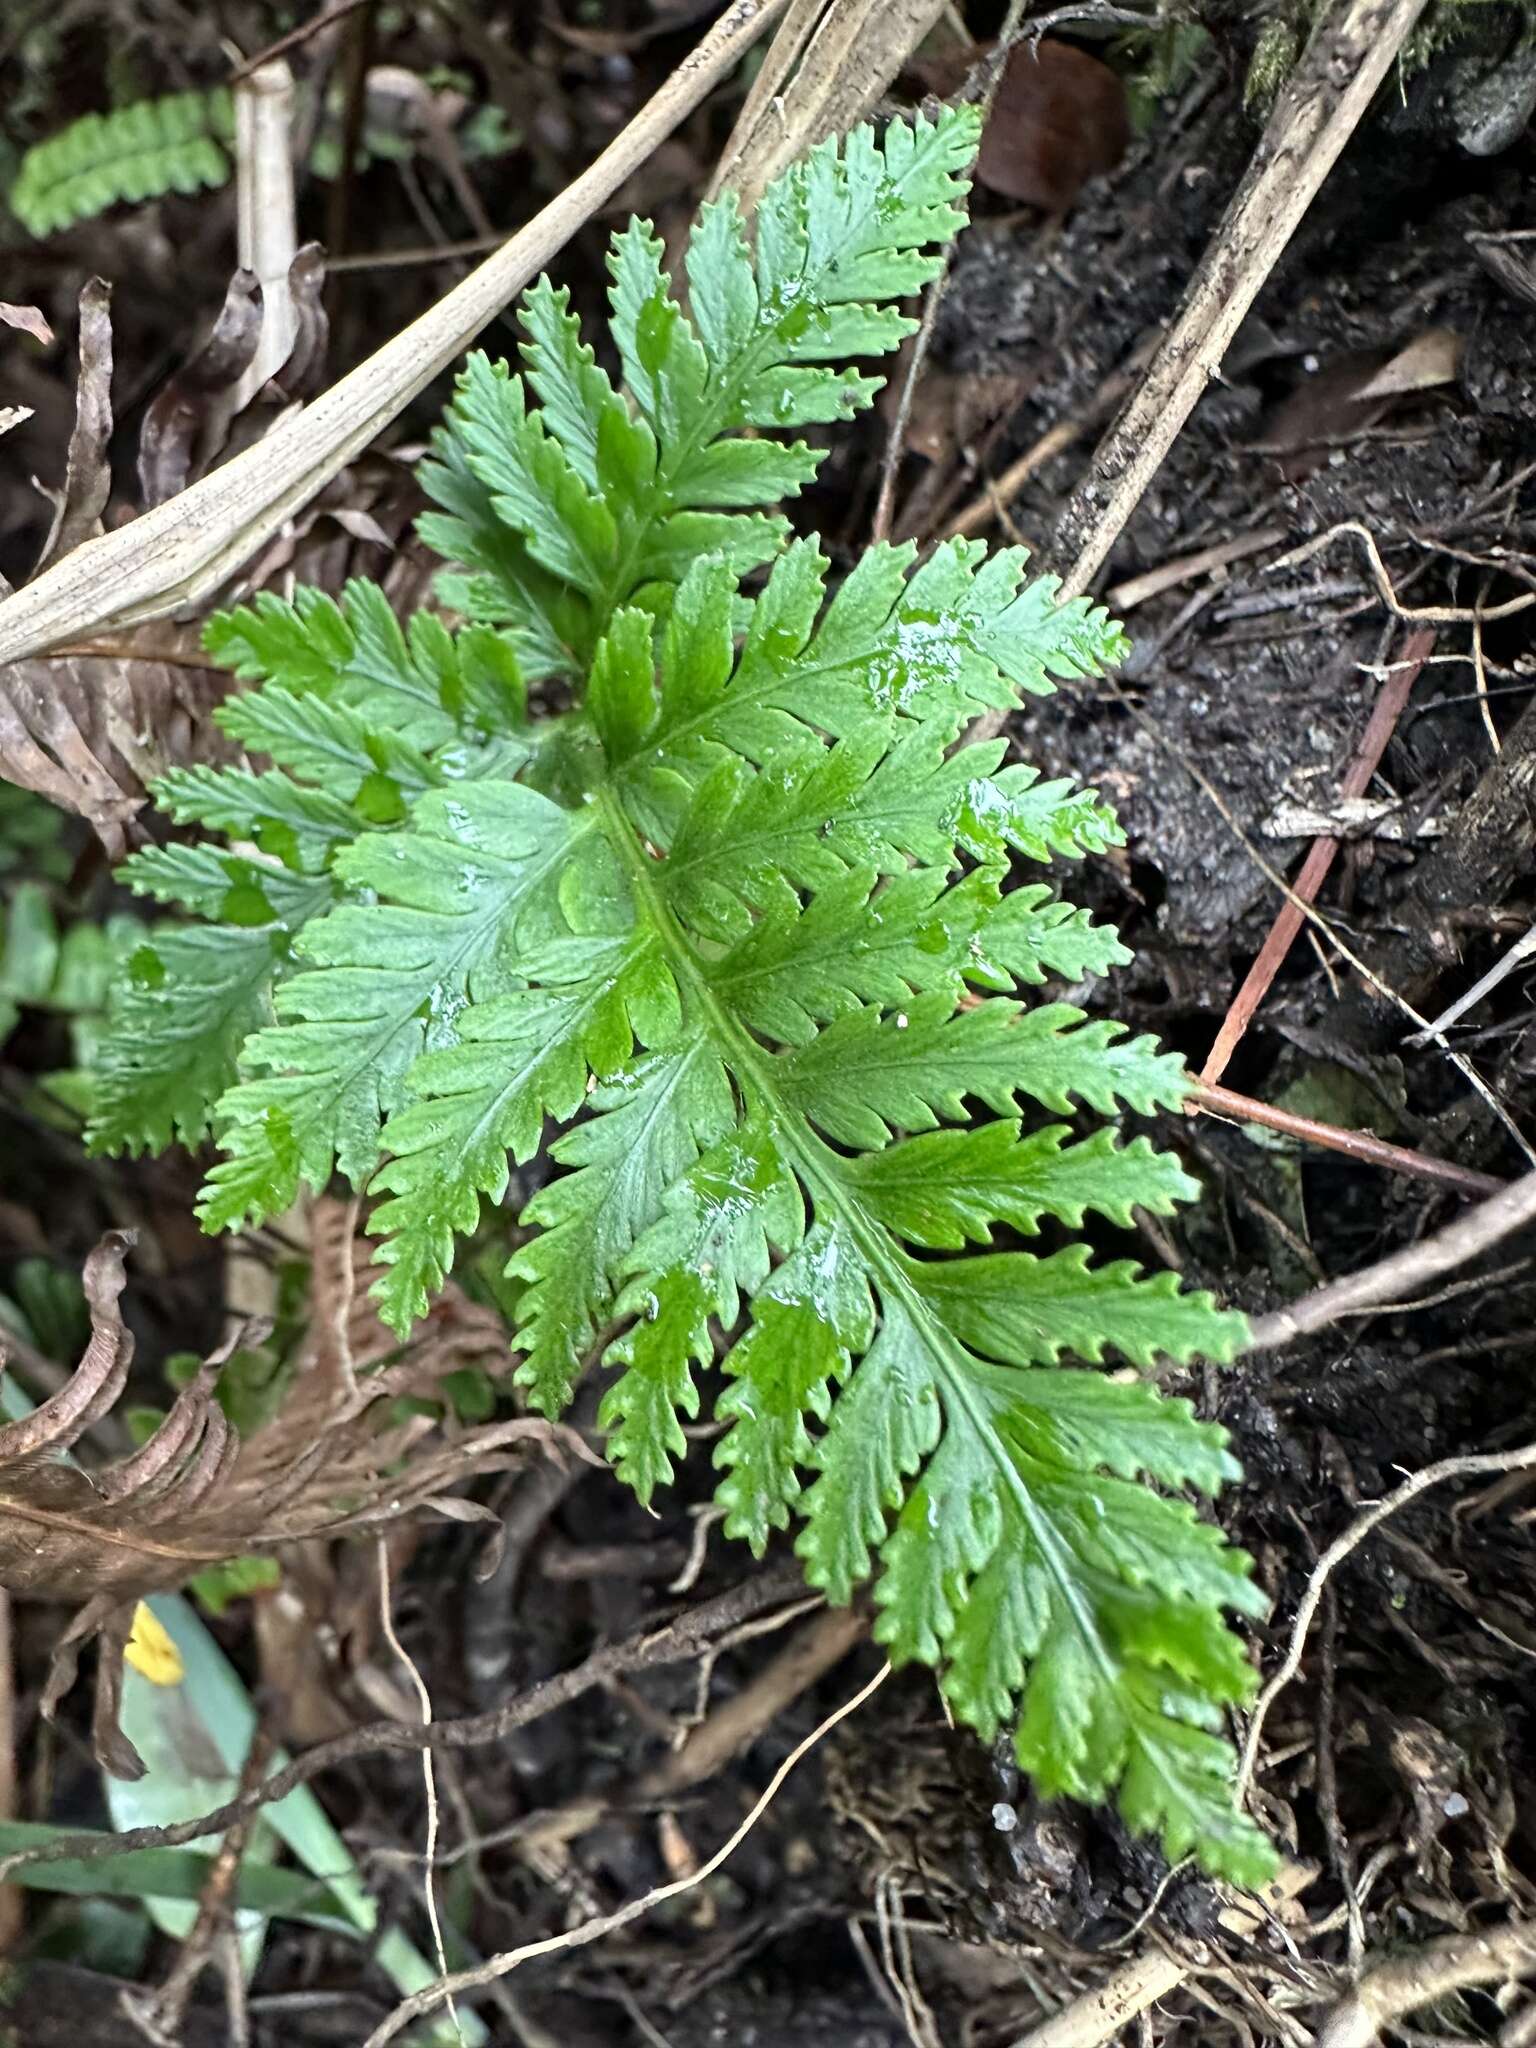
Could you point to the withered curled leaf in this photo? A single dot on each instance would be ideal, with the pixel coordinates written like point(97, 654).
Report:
point(335, 1458)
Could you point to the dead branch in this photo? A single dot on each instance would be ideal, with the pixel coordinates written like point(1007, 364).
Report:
point(1315, 115)
point(1394, 1989)
point(1398, 1277)
point(1097, 2016)
point(824, 71)
point(1361, 1145)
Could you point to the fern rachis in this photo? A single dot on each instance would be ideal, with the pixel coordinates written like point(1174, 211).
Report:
point(744, 927)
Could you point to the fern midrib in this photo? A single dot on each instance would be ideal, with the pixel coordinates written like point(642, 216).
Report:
point(820, 1167)
point(707, 427)
point(903, 723)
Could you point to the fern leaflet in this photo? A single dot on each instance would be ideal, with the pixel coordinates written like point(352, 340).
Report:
point(138, 152)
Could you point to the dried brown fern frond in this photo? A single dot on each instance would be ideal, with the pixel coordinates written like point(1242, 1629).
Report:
point(335, 1458)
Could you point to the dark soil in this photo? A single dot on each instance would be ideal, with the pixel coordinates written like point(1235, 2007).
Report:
point(905, 1886)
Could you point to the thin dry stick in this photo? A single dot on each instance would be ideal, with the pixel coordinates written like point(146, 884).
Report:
point(428, 1770)
point(119, 650)
point(162, 2012)
point(1480, 673)
point(1398, 1277)
point(12, 1905)
point(1518, 953)
point(732, 1727)
point(1316, 113)
point(895, 440)
point(1419, 615)
point(1185, 568)
point(295, 36)
point(1405, 1983)
point(1361, 1145)
point(1341, 1547)
point(608, 1923)
point(1098, 2016)
point(982, 510)
point(406, 259)
point(185, 548)
point(1379, 729)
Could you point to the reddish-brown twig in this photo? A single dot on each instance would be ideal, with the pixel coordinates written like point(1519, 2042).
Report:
point(1357, 778)
point(327, 18)
point(1356, 1144)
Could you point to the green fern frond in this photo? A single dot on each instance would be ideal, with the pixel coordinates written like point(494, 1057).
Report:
point(138, 152)
point(612, 502)
point(744, 928)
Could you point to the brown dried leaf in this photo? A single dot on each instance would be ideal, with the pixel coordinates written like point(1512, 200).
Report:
point(87, 474)
point(303, 374)
point(950, 408)
point(186, 423)
point(28, 319)
point(1326, 409)
point(1059, 119)
point(336, 1458)
point(89, 731)
point(1431, 359)
point(1353, 391)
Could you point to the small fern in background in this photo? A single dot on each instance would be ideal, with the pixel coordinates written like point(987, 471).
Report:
point(183, 143)
point(138, 152)
point(745, 925)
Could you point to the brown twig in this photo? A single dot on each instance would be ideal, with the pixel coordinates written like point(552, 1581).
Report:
point(982, 509)
point(895, 440)
point(1185, 568)
point(324, 20)
point(163, 2012)
point(1397, 1278)
point(684, 1637)
point(423, 253)
point(991, 723)
point(1350, 53)
point(1379, 729)
point(1370, 1151)
point(119, 650)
